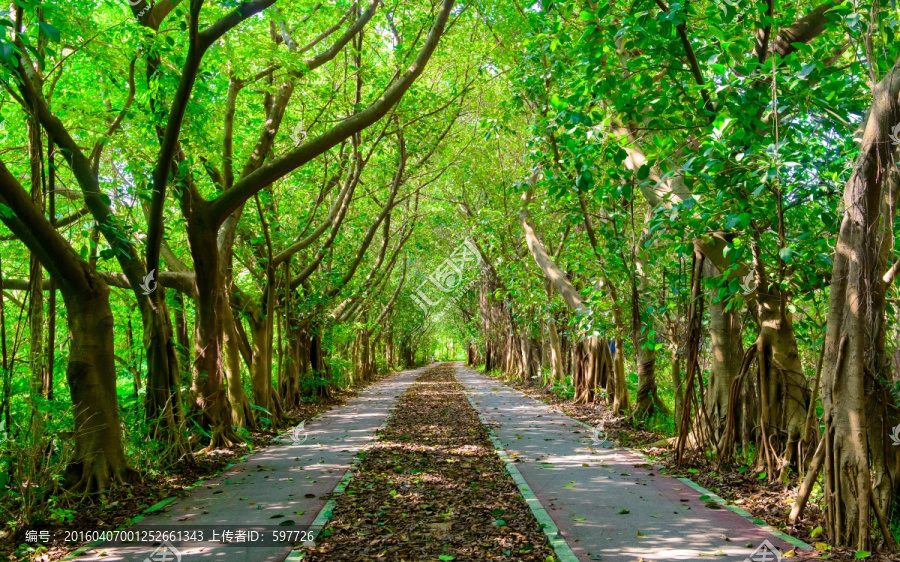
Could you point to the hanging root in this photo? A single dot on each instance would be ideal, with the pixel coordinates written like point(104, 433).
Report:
point(807, 485)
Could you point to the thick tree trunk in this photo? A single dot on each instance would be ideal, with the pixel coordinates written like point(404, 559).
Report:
point(859, 408)
point(647, 401)
point(594, 369)
point(620, 398)
point(783, 388)
point(264, 393)
point(210, 399)
point(725, 358)
point(389, 344)
point(294, 362)
point(99, 457)
point(557, 371)
point(163, 402)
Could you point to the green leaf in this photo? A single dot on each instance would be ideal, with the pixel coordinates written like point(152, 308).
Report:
point(585, 15)
point(446, 557)
point(816, 532)
point(51, 32)
point(786, 254)
point(862, 554)
point(6, 51)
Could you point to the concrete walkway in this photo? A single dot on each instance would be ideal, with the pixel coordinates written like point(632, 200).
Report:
point(608, 503)
point(285, 481)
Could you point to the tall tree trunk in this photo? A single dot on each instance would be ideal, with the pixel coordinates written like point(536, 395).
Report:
point(783, 389)
point(99, 457)
point(210, 399)
point(51, 341)
point(181, 335)
point(647, 401)
point(36, 352)
point(389, 344)
point(241, 412)
point(294, 362)
point(726, 355)
point(39, 383)
point(7, 376)
point(557, 371)
point(91, 373)
point(131, 359)
point(859, 409)
point(163, 402)
point(264, 393)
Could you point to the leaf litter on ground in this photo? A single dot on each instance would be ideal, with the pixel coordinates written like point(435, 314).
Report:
point(450, 489)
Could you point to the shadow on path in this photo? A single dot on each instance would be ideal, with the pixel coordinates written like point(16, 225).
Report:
point(608, 503)
point(285, 481)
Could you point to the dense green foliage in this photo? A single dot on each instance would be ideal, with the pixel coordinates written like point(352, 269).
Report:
point(297, 188)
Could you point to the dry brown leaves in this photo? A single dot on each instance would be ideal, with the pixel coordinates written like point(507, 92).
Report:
point(432, 488)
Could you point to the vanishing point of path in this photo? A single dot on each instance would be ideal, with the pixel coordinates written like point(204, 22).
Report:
point(429, 486)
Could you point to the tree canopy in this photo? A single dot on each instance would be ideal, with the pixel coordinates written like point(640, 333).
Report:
point(683, 214)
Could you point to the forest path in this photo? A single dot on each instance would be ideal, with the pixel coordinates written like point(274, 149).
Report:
point(608, 502)
point(285, 481)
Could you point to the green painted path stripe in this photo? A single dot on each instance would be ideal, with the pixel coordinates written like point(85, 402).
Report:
point(758, 522)
point(557, 542)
